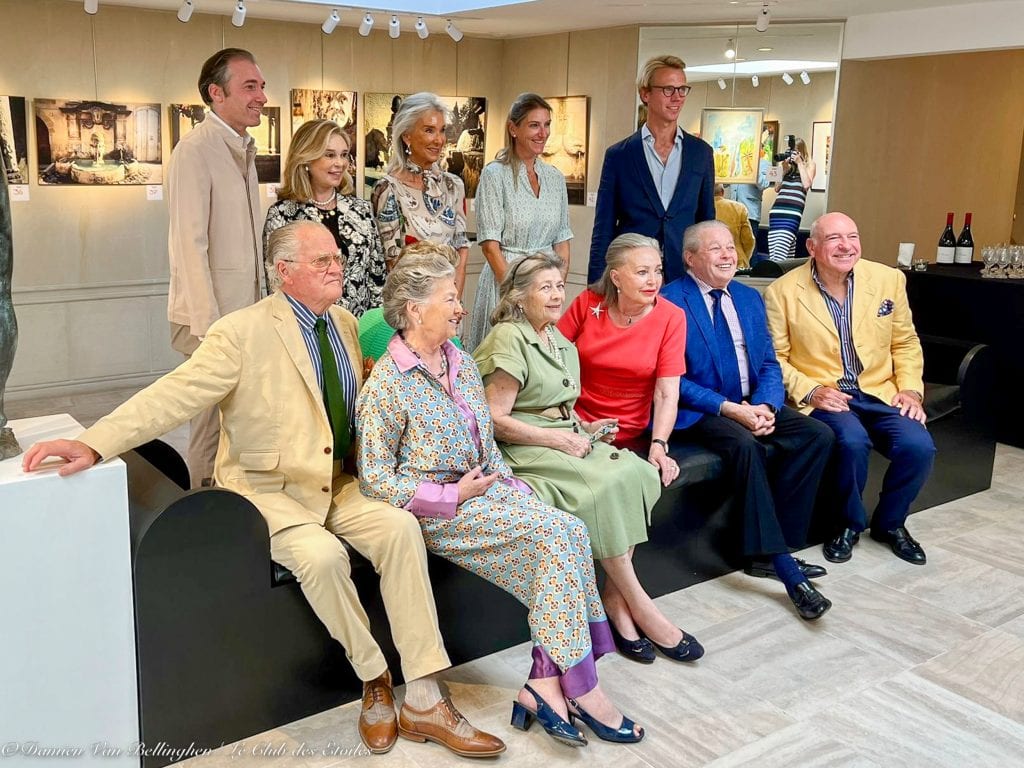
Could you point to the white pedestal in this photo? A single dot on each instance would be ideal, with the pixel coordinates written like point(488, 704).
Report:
point(67, 637)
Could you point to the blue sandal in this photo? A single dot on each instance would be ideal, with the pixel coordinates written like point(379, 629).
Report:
point(624, 734)
point(556, 727)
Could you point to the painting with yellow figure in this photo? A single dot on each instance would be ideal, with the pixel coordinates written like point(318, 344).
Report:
point(735, 138)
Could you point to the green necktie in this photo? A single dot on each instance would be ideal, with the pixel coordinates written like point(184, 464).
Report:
point(334, 397)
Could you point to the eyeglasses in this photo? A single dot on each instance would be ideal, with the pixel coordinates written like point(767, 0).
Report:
point(670, 90)
point(322, 262)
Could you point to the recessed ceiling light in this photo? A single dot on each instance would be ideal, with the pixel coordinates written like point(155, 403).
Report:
point(768, 48)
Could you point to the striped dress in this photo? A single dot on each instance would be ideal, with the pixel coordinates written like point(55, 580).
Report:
point(784, 218)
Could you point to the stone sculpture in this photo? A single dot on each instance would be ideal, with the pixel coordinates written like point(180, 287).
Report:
point(8, 323)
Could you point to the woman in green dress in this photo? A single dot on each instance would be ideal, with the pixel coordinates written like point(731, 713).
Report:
point(531, 376)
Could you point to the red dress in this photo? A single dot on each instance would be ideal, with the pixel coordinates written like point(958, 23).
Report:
point(619, 366)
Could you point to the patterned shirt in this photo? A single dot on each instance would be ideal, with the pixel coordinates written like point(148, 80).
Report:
point(842, 316)
point(307, 325)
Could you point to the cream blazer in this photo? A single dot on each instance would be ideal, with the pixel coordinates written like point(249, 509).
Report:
point(807, 343)
point(275, 442)
point(214, 240)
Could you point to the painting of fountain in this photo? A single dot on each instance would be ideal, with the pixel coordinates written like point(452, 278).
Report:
point(97, 143)
point(185, 117)
point(568, 143)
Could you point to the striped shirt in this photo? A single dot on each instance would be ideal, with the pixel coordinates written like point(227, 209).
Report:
point(307, 325)
point(842, 316)
point(732, 319)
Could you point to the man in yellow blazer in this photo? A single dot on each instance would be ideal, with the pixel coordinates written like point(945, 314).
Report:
point(734, 215)
point(266, 366)
point(850, 357)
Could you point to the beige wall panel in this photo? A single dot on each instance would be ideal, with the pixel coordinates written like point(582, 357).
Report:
point(917, 137)
point(42, 346)
point(104, 338)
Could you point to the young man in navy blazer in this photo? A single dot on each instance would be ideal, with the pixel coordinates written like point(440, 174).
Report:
point(731, 401)
point(658, 181)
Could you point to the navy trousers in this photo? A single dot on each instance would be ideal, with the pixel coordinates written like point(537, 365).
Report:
point(907, 444)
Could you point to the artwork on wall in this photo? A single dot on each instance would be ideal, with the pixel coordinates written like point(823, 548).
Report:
point(568, 144)
point(97, 142)
point(735, 138)
point(464, 149)
point(821, 152)
point(339, 106)
point(185, 117)
point(14, 139)
point(769, 140)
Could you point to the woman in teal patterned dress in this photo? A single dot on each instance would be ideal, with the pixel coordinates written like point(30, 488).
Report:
point(426, 444)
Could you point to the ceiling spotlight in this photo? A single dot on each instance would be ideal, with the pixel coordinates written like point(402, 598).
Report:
point(185, 12)
point(721, 83)
point(453, 32)
point(730, 49)
point(91, 6)
point(421, 28)
point(763, 18)
point(755, 80)
point(787, 78)
point(238, 17)
point(394, 27)
point(805, 78)
point(331, 22)
point(366, 25)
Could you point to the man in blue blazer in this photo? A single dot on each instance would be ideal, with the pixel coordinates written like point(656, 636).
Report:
point(731, 401)
point(658, 181)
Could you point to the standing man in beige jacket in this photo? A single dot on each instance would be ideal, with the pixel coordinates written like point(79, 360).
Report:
point(214, 241)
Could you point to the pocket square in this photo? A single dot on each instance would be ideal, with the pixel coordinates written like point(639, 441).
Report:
point(885, 308)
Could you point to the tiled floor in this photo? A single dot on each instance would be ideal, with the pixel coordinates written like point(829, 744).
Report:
point(914, 666)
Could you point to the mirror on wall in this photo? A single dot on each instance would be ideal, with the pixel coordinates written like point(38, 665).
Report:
point(789, 73)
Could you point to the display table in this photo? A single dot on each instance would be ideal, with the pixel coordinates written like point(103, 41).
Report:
point(68, 692)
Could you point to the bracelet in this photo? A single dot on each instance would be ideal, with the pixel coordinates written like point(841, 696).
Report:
point(659, 441)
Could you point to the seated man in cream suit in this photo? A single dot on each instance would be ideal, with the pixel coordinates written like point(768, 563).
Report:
point(850, 357)
point(282, 444)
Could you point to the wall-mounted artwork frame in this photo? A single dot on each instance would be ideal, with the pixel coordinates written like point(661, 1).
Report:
point(568, 147)
point(340, 106)
point(465, 137)
point(735, 139)
point(14, 139)
point(821, 153)
point(769, 140)
point(97, 143)
point(185, 117)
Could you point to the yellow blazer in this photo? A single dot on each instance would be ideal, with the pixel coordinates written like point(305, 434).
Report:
point(276, 442)
point(807, 343)
point(734, 215)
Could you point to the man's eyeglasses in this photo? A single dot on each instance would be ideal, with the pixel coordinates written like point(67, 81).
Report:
point(322, 262)
point(669, 90)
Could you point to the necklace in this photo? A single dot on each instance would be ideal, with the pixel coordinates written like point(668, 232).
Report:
point(325, 204)
point(444, 363)
point(556, 353)
point(630, 318)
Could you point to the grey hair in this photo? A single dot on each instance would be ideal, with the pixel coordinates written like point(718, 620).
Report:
point(413, 279)
point(517, 282)
point(615, 258)
point(693, 237)
point(284, 244)
point(412, 110)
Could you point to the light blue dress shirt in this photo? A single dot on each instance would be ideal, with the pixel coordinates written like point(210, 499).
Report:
point(665, 175)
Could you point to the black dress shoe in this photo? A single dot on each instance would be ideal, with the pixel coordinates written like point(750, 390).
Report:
point(687, 649)
point(641, 650)
point(765, 570)
point(809, 602)
point(903, 545)
point(840, 549)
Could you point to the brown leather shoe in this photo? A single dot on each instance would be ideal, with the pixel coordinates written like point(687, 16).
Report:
point(378, 727)
point(444, 724)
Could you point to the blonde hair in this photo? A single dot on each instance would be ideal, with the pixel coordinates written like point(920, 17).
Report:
point(615, 258)
point(309, 143)
point(419, 267)
point(516, 284)
point(653, 65)
point(413, 109)
point(524, 104)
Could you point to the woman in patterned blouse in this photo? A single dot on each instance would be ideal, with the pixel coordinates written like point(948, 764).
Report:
point(416, 200)
point(317, 187)
point(427, 445)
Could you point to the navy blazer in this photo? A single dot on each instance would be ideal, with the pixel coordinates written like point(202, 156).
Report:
point(699, 386)
point(628, 201)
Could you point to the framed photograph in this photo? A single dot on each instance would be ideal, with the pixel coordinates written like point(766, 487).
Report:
point(569, 143)
point(735, 138)
point(821, 153)
point(464, 149)
point(769, 140)
point(339, 106)
point(14, 139)
point(185, 117)
point(97, 142)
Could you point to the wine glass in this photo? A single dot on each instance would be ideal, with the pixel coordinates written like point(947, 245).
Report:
point(1017, 258)
point(988, 257)
point(1005, 260)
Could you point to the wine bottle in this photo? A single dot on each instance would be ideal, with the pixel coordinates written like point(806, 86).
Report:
point(947, 243)
point(965, 243)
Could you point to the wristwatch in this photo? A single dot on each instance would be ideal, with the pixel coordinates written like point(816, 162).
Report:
point(660, 442)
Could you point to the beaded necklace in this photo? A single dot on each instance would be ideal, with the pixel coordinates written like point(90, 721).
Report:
point(556, 353)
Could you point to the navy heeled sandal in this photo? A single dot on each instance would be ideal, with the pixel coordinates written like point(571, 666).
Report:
point(624, 734)
point(551, 721)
